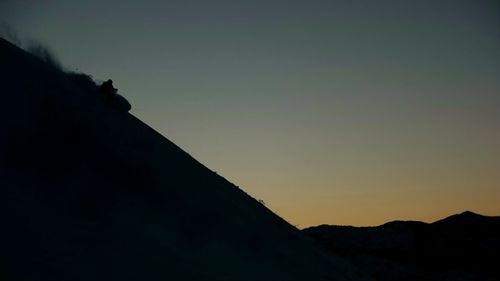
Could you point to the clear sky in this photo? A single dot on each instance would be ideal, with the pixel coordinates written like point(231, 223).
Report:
point(337, 112)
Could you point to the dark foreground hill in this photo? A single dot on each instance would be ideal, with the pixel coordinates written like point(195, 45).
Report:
point(461, 247)
point(88, 192)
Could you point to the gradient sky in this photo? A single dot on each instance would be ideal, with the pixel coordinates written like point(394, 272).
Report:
point(337, 112)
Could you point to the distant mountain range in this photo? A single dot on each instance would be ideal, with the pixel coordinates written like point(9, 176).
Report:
point(465, 246)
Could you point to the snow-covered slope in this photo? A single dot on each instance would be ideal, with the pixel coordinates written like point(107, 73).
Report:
point(88, 192)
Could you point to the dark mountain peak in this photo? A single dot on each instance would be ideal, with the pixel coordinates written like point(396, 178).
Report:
point(467, 218)
point(468, 213)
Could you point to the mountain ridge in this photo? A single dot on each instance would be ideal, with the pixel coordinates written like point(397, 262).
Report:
point(463, 246)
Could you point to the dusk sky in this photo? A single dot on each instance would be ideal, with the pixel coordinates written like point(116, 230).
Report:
point(332, 112)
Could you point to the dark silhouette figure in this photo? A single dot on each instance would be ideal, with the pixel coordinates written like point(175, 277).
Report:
point(112, 97)
point(107, 90)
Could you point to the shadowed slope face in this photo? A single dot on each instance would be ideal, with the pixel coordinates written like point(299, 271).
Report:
point(88, 192)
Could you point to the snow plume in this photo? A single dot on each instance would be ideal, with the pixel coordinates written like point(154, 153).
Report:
point(44, 53)
point(33, 46)
point(9, 34)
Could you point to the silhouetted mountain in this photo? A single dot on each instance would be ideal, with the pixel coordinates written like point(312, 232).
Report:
point(465, 246)
point(89, 192)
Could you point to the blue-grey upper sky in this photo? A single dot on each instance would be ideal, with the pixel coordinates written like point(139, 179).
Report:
point(341, 112)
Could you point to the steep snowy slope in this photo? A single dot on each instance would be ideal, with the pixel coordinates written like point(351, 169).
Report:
point(91, 193)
